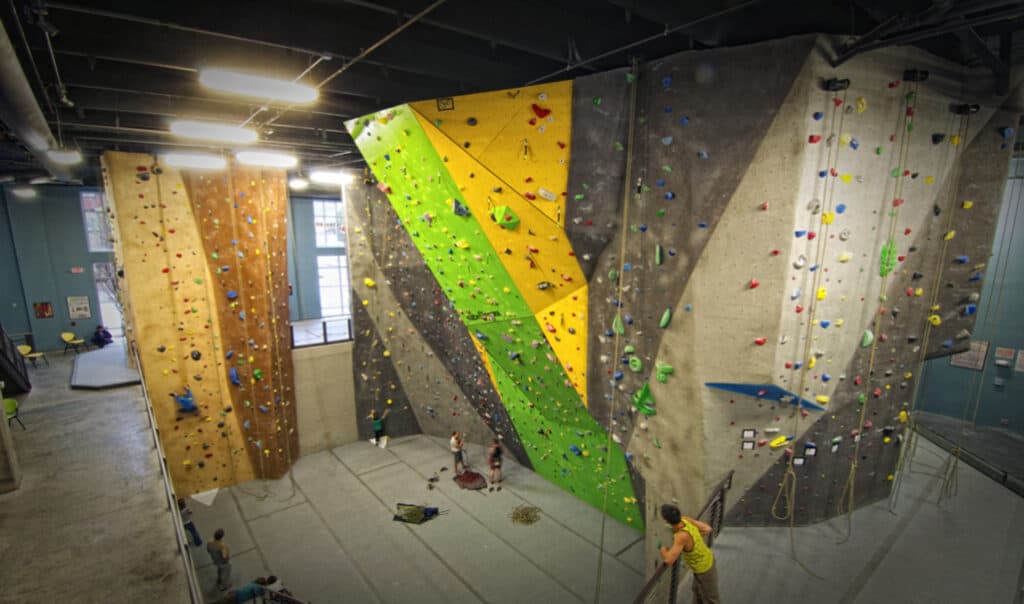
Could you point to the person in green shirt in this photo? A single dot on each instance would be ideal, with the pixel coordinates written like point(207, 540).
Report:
point(378, 425)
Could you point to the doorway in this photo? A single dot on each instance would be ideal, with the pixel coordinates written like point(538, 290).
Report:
point(106, 293)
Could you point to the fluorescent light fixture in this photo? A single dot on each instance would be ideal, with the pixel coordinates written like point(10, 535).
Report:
point(298, 184)
point(64, 157)
point(24, 192)
point(330, 177)
point(36, 142)
point(267, 159)
point(261, 87)
point(196, 161)
point(212, 131)
point(40, 180)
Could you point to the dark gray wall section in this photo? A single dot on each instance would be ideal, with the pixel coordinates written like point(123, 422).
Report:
point(705, 106)
point(430, 311)
point(821, 482)
point(49, 238)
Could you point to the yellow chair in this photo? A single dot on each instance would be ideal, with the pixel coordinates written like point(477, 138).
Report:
point(70, 341)
point(26, 351)
point(11, 411)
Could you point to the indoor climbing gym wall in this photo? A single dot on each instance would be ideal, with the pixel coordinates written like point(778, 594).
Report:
point(203, 257)
point(729, 260)
point(477, 186)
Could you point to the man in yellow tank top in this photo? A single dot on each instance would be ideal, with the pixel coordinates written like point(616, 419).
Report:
point(688, 541)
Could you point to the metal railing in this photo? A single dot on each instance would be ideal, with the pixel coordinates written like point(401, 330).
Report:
point(318, 332)
point(12, 364)
point(663, 586)
point(195, 593)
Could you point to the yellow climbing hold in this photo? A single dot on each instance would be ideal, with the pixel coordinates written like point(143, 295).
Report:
point(862, 104)
point(822, 398)
point(903, 417)
point(779, 442)
point(935, 320)
point(839, 322)
point(811, 363)
point(845, 257)
point(387, 354)
point(366, 302)
point(827, 217)
point(890, 477)
point(887, 440)
point(846, 178)
point(929, 180)
point(954, 140)
point(822, 292)
point(462, 244)
point(934, 308)
point(919, 291)
point(368, 282)
point(949, 235)
point(845, 138)
point(967, 205)
point(908, 375)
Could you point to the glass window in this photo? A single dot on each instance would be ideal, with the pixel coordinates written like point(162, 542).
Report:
point(328, 222)
point(335, 288)
point(94, 217)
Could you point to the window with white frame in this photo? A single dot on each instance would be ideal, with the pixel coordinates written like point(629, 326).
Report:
point(97, 225)
point(328, 222)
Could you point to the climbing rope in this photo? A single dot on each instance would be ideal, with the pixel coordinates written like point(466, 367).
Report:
point(787, 488)
point(848, 494)
point(909, 448)
point(627, 197)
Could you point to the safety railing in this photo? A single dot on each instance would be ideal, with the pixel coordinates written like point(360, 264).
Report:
point(195, 593)
point(316, 332)
point(663, 586)
point(12, 365)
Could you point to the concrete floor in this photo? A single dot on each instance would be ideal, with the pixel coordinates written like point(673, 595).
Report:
point(90, 522)
point(327, 531)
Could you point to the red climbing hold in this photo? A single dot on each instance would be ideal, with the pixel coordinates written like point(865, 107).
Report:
point(910, 292)
point(833, 172)
point(814, 138)
point(857, 380)
point(561, 145)
point(529, 196)
point(837, 101)
point(754, 283)
point(877, 392)
point(901, 258)
point(776, 252)
point(761, 341)
point(789, 365)
point(897, 202)
point(540, 111)
point(894, 84)
point(764, 206)
point(906, 231)
point(799, 308)
point(166, 270)
point(811, 235)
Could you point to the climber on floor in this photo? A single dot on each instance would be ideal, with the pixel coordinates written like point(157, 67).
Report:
point(688, 541)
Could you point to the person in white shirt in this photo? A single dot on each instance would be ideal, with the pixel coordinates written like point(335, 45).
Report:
point(456, 447)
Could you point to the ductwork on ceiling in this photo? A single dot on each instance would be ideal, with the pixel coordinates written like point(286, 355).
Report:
point(20, 112)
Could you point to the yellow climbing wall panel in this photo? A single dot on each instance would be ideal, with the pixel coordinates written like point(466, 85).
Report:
point(522, 135)
point(174, 320)
point(537, 254)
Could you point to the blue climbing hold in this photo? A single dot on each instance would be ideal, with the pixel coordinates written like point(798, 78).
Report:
point(854, 144)
point(232, 294)
point(618, 375)
point(702, 225)
point(688, 308)
point(666, 82)
point(627, 267)
point(233, 376)
point(575, 450)
point(703, 154)
point(824, 323)
point(825, 377)
point(643, 228)
point(670, 195)
point(970, 309)
point(818, 115)
point(963, 259)
point(660, 182)
point(976, 276)
point(840, 208)
point(800, 233)
point(684, 121)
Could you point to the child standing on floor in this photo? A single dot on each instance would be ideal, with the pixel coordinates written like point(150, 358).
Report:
point(378, 427)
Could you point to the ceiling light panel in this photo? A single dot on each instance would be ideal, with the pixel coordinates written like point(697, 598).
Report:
point(261, 87)
point(267, 159)
point(213, 131)
point(195, 161)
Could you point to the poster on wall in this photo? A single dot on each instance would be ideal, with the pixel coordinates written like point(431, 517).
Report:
point(78, 307)
point(973, 358)
point(44, 310)
point(1020, 361)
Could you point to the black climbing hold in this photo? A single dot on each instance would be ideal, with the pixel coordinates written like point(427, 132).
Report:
point(471, 121)
point(161, 348)
point(835, 84)
point(916, 276)
point(965, 109)
point(936, 209)
point(196, 355)
point(938, 137)
point(915, 75)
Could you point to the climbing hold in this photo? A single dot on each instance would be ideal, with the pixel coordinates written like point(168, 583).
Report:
point(818, 115)
point(196, 355)
point(644, 400)
point(703, 154)
point(232, 294)
point(471, 121)
point(800, 262)
point(949, 235)
point(666, 140)
point(657, 255)
point(662, 371)
point(617, 325)
point(862, 104)
point(845, 257)
point(754, 283)
point(636, 365)
point(368, 282)
point(967, 205)
point(867, 338)
point(257, 374)
point(666, 318)
point(887, 261)
point(814, 138)
point(233, 376)
point(935, 320)
point(760, 341)
point(459, 209)
point(822, 292)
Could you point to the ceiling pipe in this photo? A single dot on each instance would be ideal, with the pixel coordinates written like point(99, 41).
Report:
point(20, 111)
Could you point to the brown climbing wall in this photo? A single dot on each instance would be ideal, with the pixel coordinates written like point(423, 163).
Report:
point(174, 314)
point(241, 215)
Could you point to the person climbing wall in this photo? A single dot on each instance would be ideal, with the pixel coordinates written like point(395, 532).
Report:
point(378, 427)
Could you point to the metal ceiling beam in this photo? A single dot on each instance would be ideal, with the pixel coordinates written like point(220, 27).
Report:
point(980, 49)
point(433, 60)
point(960, 20)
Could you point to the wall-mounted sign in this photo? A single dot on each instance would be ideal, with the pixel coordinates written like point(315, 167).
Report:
point(76, 270)
point(1004, 353)
point(973, 358)
point(78, 307)
point(44, 310)
point(1020, 361)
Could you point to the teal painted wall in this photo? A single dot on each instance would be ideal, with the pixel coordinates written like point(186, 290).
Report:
point(302, 253)
point(1000, 322)
point(13, 314)
point(49, 239)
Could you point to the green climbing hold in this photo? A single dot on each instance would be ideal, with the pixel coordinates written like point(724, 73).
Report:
point(878, 150)
point(662, 371)
point(197, 281)
point(579, 196)
point(257, 374)
point(613, 275)
point(630, 77)
point(657, 443)
point(618, 146)
point(888, 258)
point(215, 255)
point(862, 398)
point(666, 168)
point(657, 255)
point(644, 400)
point(666, 318)
point(661, 213)
point(617, 326)
point(597, 101)
point(629, 349)
point(867, 338)
point(895, 172)
point(635, 364)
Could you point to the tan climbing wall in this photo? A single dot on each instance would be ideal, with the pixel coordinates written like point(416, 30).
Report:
point(241, 217)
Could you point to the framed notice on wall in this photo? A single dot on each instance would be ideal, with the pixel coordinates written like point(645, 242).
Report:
point(973, 358)
point(78, 307)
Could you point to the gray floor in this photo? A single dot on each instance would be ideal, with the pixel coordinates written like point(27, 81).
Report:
point(102, 368)
point(327, 531)
point(968, 549)
point(90, 522)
